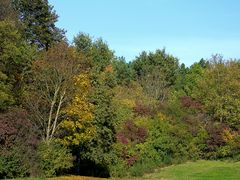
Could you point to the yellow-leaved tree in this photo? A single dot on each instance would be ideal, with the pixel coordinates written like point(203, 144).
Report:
point(78, 126)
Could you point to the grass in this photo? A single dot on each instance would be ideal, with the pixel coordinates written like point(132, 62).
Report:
point(200, 170)
point(64, 178)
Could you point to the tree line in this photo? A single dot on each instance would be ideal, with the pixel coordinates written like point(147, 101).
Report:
point(79, 109)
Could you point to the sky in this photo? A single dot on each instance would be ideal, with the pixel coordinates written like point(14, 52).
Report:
point(187, 29)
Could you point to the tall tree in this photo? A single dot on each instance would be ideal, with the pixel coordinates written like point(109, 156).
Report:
point(96, 51)
point(51, 89)
point(38, 19)
point(123, 71)
point(99, 147)
point(78, 125)
point(156, 72)
point(15, 61)
point(219, 92)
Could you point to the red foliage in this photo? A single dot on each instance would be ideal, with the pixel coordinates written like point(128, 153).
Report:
point(121, 138)
point(132, 133)
point(188, 102)
point(131, 160)
point(141, 109)
point(14, 126)
point(216, 138)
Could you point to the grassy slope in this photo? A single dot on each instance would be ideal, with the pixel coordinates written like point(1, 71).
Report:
point(64, 178)
point(200, 170)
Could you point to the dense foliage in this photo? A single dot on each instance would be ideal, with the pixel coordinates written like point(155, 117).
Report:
point(80, 109)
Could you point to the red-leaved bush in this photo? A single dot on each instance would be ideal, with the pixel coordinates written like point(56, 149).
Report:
point(188, 102)
point(141, 109)
point(132, 133)
point(15, 126)
point(131, 160)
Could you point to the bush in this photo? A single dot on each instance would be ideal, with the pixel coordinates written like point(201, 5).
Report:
point(12, 162)
point(137, 169)
point(118, 169)
point(18, 142)
point(54, 158)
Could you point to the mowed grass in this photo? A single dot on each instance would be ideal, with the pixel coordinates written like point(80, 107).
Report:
point(64, 178)
point(199, 170)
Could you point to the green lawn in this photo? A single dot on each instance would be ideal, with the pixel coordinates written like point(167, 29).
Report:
point(200, 170)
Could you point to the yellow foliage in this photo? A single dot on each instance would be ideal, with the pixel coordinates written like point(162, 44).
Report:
point(130, 103)
point(142, 121)
point(78, 123)
point(228, 135)
point(161, 116)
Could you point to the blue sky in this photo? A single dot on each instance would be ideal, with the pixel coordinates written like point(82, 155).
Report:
point(188, 29)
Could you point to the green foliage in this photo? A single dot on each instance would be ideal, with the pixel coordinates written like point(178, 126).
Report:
point(102, 55)
point(6, 97)
point(11, 164)
point(15, 62)
point(156, 72)
point(83, 43)
point(187, 79)
point(103, 121)
point(140, 168)
point(118, 169)
point(123, 71)
point(38, 19)
point(219, 92)
point(97, 51)
point(171, 142)
point(53, 158)
point(118, 118)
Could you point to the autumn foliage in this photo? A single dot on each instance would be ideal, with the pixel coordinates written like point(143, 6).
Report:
point(79, 109)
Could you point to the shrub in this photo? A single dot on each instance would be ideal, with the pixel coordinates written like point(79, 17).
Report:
point(132, 133)
point(54, 158)
point(137, 169)
point(188, 102)
point(118, 169)
point(18, 142)
point(12, 162)
point(141, 109)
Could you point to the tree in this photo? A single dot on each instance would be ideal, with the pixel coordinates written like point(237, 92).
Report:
point(156, 72)
point(38, 19)
point(97, 150)
point(96, 51)
point(6, 96)
point(51, 87)
point(16, 57)
point(83, 43)
point(102, 55)
point(219, 91)
point(123, 71)
point(53, 158)
point(78, 126)
point(193, 75)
